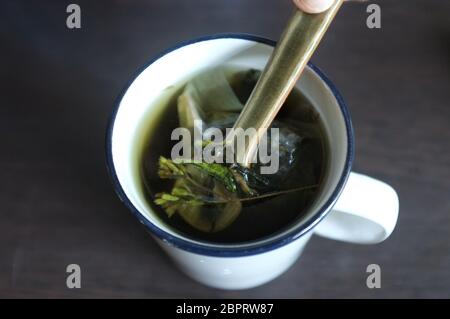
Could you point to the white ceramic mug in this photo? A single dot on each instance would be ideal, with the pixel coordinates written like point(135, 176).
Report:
point(350, 207)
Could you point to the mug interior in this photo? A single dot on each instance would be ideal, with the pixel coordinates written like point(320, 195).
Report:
point(180, 64)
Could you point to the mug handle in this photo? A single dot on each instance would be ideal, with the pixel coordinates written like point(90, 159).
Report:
point(365, 213)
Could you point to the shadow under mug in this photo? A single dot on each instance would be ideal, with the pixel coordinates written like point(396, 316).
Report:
point(350, 207)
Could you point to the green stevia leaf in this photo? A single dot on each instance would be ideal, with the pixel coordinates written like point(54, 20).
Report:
point(220, 172)
point(168, 169)
point(180, 167)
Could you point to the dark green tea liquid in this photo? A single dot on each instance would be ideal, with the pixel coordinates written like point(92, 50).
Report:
point(261, 218)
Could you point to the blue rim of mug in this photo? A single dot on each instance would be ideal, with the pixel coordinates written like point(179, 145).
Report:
point(244, 249)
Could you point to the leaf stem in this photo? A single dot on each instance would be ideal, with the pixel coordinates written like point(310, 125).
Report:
point(298, 189)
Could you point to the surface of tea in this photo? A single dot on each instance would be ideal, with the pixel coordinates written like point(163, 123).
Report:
point(303, 161)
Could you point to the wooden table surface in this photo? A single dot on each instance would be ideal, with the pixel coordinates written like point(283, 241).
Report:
point(57, 206)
